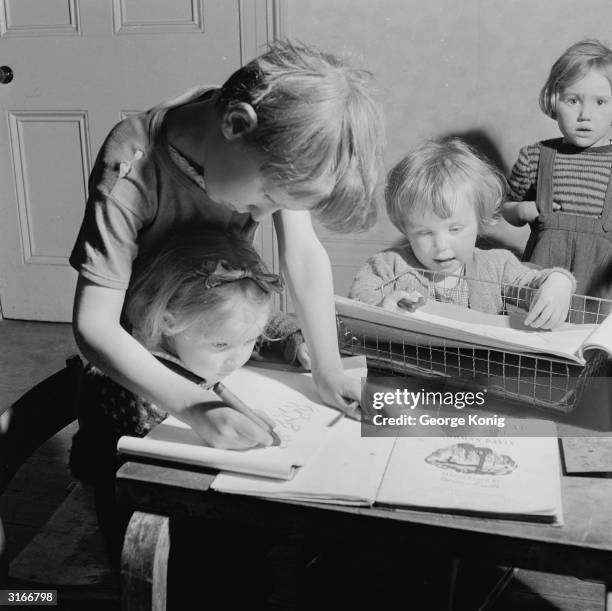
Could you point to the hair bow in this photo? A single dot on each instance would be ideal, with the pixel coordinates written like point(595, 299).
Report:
point(221, 272)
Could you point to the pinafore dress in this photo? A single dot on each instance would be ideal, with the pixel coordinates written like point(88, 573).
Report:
point(581, 244)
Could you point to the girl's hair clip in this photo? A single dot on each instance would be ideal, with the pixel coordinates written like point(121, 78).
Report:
point(221, 272)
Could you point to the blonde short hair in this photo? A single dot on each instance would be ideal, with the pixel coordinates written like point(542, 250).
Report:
point(434, 174)
point(573, 65)
point(320, 126)
point(169, 291)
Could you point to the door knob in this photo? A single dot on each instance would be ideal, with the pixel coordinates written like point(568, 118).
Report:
point(6, 75)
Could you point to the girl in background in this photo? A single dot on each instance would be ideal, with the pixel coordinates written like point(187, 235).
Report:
point(561, 187)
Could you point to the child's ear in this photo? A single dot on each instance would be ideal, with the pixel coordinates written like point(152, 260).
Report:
point(168, 321)
point(239, 119)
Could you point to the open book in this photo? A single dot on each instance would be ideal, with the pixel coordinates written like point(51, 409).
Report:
point(324, 458)
point(503, 476)
point(445, 324)
point(290, 399)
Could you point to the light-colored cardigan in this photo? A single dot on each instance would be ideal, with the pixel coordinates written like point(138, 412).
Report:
point(492, 277)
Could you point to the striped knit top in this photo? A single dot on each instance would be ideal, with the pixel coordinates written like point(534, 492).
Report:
point(580, 177)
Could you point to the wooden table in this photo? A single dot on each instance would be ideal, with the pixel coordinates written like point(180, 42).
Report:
point(157, 493)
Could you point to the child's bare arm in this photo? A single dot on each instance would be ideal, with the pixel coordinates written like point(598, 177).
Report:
point(308, 274)
point(106, 344)
point(505, 235)
point(519, 213)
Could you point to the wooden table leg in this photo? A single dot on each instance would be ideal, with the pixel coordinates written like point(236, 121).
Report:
point(452, 583)
point(144, 563)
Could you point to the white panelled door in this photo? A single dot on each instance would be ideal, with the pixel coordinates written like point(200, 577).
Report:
point(79, 67)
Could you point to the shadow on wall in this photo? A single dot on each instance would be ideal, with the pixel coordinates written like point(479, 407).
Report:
point(484, 144)
point(502, 234)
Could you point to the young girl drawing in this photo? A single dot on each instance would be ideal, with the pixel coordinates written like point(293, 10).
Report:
point(295, 132)
point(562, 186)
point(202, 303)
point(440, 196)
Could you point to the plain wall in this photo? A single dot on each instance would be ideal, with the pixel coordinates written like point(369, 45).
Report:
point(473, 68)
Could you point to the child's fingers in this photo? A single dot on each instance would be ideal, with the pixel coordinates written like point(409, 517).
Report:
point(538, 321)
point(265, 417)
point(535, 312)
point(410, 301)
point(225, 427)
point(303, 357)
point(252, 434)
point(542, 319)
point(353, 410)
point(558, 316)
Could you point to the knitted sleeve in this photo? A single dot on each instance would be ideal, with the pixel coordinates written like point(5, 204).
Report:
point(519, 280)
point(384, 273)
point(283, 336)
point(524, 175)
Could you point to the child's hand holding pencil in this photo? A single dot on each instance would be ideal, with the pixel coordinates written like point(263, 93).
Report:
point(238, 428)
point(258, 418)
point(224, 427)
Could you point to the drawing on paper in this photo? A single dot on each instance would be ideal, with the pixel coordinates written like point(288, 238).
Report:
point(468, 458)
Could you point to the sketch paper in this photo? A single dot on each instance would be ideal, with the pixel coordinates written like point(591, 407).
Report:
point(290, 399)
point(347, 471)
point(449, 325)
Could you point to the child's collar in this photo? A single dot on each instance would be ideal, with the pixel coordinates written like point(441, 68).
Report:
point(188, 166)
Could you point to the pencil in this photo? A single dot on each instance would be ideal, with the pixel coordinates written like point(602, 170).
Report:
point(240, 406)
point(223, 393)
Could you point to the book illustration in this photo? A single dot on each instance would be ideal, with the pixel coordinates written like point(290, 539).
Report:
point(505, 476)
point(468, 458)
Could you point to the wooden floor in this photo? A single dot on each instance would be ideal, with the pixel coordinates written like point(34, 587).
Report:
point(33, 351)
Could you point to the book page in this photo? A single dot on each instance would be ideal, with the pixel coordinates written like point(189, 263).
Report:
point(516, 477)
point(601, 338)
point(449, 325)
point(290, 399)
point(347, 471)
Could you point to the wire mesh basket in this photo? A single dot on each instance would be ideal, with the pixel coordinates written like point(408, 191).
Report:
point(537, 380)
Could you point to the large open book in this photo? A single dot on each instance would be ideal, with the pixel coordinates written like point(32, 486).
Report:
point(445, 324)
point(503, 476)
point(323, 457)
point(290, 399)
